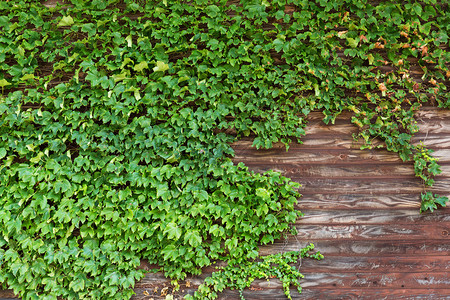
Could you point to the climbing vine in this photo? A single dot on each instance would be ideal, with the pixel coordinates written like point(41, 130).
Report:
point(116, 119)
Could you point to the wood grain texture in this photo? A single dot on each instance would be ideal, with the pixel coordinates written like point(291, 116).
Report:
point(369, 248)
point(370, 232)
point(372, 186)
point(359, 201)
point(361, 211)
point(372, 217)
point(326, 156)
point(345, 171)
point(312, 293)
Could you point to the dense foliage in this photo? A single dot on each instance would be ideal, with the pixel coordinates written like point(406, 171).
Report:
point(116, 119)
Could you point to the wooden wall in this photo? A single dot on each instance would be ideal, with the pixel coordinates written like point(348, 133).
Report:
point(361, 211)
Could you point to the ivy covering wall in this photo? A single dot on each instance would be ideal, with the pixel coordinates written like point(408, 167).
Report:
point(116, 119)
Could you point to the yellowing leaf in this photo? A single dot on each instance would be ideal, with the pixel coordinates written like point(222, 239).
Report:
point(66, 21)
point(129, 40)
point(119, 77)
point(263, 193)
point(2, 152)
point(37, 158)
point(352, 42)
point(161, 66)
point(141, 66)
point(27, 76)
point(4, 82)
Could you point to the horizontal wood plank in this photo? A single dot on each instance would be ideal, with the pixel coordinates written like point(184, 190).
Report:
point(344, 171)
point(358, 201)
point(311, 156)
point(374, 264)
point(254, 293)
point(379, 232)
point(315, 282)
point(374, 186)
point(339, 141)
point(357, 248)
point(371, 293)
point(365, 216)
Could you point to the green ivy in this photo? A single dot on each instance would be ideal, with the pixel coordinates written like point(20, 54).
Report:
point(241, 276)
point(116, 119)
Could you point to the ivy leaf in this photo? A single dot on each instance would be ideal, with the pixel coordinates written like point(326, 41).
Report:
point(434, 168)
point(425, 28)
point(4, 82)
point(263, 193)
point(216, 230)
point(37, 158)
point(129, 40)
point(77, 285)
point(2, 152)
point(212, 11)
point(161, 67)
point(172, 231)
point(66, 21)
point(141, 66)
point(442, 201)
point(193, 237)
point(170, 252)
point(352, 42)
point(417, 8)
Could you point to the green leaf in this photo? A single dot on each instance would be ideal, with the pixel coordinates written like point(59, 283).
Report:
point(263, 193)
point(129, 40)
point(77, 285)
point(212, 11)
point(161, 67)
point(37, 158)
point(66, 21)
point(442, 201)
point(27, 76)
point(352, 42)
point(4, 82)
point(141, 66)
point(193, 237)
point(2, 152)
point(425, 28)
point(172, 231)
point(417, 8)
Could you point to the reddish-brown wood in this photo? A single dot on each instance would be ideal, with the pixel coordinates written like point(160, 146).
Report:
point(361, 211)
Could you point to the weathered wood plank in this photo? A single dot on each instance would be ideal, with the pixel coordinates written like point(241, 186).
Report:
point(313, 293)
point(425, 114)
point(326, 156)
point(358, 201)
point(431, 122)
point(344, 171)
point(371, 293)
point(374, 186)
point(341, 140)
point(391, 280)
point(379, 232)
point(316, 293)
point(366, 216)
point(437, 280)
point(341, 264)
point(375, 247)
point(7, 294)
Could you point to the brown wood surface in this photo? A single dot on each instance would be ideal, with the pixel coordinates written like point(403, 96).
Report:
point(361, 210)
